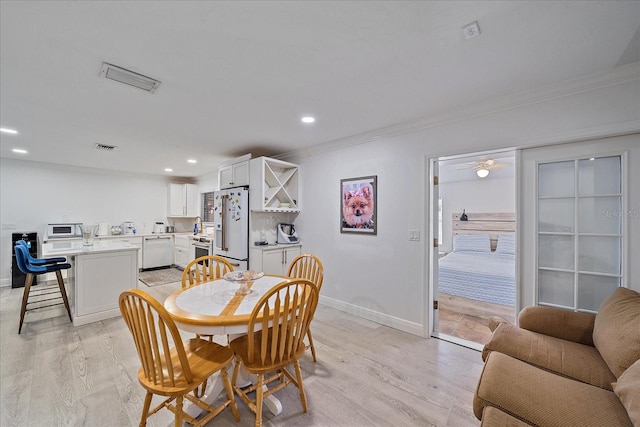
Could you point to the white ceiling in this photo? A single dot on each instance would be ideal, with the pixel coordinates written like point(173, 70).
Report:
point(237, 76)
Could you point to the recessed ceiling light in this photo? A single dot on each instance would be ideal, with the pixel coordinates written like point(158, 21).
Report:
point(168, 170)
point(19, 151)
point(192, 161)
point(11, 131)
point(308, 119)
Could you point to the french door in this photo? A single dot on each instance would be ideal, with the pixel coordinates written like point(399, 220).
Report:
point(579, 231)
point(574, 223)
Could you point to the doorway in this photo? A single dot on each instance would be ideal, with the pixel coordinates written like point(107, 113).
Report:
point(474, 261)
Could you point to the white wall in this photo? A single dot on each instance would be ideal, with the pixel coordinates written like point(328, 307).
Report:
point(381, 277)
point(35, 194)
point(479, 195)
point(209, 182)
point(384, 277)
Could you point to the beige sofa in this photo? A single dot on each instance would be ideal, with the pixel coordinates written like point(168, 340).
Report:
point(562, 368)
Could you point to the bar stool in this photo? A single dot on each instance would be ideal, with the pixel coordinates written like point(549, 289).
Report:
point(31, 270)
point(40, 261)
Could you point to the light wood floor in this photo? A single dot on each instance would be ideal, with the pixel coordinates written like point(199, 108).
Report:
point(469, 319)
point(367, 375)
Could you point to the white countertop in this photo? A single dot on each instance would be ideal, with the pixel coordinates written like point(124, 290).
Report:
point(75, 247)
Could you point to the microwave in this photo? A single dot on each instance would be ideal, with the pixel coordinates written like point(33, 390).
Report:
point(64, 231)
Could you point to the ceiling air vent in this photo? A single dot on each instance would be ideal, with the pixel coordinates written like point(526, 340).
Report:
point(105, 147)
point(128, 77)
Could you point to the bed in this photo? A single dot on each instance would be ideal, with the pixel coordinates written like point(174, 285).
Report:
point(482, 264)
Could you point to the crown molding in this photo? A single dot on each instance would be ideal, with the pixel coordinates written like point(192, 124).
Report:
point(621, 75)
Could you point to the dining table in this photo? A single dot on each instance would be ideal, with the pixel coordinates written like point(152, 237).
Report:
point(217, 308)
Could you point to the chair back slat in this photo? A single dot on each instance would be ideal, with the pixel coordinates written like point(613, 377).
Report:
point(307, 266)
point(205, 269)
point(280, 320)
point(154, 333)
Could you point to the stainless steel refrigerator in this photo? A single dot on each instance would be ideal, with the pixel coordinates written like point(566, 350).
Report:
point(231, 222)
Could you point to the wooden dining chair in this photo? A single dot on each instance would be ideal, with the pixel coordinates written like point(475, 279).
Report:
point(275, 339)
point(175, 371)
point(205, 269)
point(307, 266)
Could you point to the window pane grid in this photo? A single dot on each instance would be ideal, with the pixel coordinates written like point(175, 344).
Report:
point(207, 207)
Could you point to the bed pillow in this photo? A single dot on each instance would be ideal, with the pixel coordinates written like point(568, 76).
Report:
point(471, 243)
point(506, 244)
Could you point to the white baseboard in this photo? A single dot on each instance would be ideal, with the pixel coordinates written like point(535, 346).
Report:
point(374, 316)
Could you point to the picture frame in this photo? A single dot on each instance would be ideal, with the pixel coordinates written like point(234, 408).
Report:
point(358, 205)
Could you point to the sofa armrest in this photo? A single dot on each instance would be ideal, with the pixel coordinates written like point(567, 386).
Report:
point(495, 321)
point(559, 323)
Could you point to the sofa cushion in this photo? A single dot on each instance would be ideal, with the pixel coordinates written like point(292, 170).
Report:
point(543, 398)
point(627, 388)
point(568, 358)
point(616, 333)
point(494, 417)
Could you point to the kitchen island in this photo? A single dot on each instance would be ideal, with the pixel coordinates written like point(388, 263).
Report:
point(98, 274)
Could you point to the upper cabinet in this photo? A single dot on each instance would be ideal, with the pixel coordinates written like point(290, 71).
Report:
point(235, 174)
point(275, 186)
point(183, 200)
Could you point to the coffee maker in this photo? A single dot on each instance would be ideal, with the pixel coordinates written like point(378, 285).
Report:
point(287, 234)
point(128, 228)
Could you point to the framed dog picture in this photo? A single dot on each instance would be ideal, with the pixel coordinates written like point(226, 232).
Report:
point(358, 202)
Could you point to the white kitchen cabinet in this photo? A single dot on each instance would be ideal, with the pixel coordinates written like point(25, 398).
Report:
point(234, 175)
point(273, 259)
point(100, 278)
point(135, 241)
point(183, 200)
point(275, 185)
point(184, 251)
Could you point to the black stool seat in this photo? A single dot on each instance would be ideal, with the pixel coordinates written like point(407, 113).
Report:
point(46, 265)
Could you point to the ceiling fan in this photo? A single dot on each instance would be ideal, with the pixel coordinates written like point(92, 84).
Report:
point(483, 167)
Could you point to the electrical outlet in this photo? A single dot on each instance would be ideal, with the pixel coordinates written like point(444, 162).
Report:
point(471, 30)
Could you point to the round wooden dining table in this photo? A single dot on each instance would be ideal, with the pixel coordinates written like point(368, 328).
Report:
point(213, 308)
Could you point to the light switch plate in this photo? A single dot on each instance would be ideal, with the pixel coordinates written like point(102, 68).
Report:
point(414, 235)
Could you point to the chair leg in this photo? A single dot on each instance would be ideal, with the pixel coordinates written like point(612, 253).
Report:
point(303, 396)
point(145, 409)
point(259, 396)
point(236, 369)
point(230, 395)
point(179, 404)
point(25, 298)
point(313, 349)
point(64, 294)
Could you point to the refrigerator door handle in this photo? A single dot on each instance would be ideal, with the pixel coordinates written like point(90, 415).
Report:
point(223, 244)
